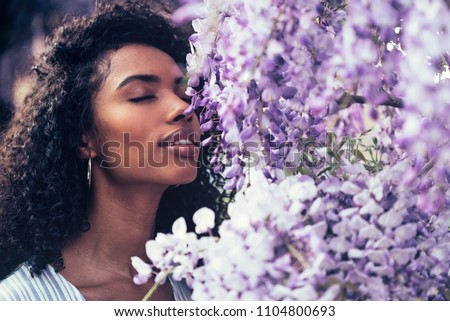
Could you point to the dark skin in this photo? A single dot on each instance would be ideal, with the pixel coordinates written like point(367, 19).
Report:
point(142, 96)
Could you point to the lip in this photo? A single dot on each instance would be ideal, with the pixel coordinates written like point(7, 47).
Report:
point(183, 150)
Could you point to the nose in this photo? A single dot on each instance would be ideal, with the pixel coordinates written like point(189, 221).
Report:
point(176, 113)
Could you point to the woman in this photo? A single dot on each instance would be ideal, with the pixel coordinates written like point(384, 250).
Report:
point(99, 159)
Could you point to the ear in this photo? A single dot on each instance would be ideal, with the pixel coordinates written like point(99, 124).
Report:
point(87, 147)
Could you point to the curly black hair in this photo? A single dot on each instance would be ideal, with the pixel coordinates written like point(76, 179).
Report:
point(43, 181)
point(5, 114)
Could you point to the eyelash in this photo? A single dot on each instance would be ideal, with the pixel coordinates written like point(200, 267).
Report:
point(140, 99)
point(143, 98)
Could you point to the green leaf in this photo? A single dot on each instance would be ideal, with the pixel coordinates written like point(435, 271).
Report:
point(304, 170)
point(331, 137)
point(447, 294)
point(360, 156)
point(323, 171)
point(366, 131)
point(288, 172)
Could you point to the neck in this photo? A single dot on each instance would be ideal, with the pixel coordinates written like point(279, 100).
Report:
point(122, 219)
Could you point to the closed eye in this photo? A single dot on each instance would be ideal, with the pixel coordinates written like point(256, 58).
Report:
point(142, 98)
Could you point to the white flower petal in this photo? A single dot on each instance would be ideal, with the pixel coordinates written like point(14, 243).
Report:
point(144, 270)
point(350, 188)
point(405, 232)
point(179, 227)
point(204, 220)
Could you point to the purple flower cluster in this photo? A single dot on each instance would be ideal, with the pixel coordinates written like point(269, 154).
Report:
point(332, 120)
point(398, 49)
point(257, 78)
point(360, 239)
point(273, 76)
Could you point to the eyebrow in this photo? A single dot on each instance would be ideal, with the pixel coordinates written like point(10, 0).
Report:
point(145, 78)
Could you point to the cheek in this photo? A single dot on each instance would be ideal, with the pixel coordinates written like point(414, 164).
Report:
point(127, 126)
point(128, 143)
point(135, 153)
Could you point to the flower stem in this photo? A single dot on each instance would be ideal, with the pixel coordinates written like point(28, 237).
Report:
point(347, 99)
point(156, 285)
point(297, 255)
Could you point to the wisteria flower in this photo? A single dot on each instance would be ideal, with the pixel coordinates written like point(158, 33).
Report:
point(331, 120)
point(204, 220)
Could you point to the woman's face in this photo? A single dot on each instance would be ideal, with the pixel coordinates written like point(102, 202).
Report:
point(142, 135)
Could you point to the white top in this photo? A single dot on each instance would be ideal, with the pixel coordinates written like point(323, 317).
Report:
point(52, 286)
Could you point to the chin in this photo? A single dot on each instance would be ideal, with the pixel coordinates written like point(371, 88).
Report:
point(185, 176)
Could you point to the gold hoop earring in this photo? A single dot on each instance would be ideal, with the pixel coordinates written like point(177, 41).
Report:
point(89, 172)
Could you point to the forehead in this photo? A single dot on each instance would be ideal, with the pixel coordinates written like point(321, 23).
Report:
point(141, 59)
